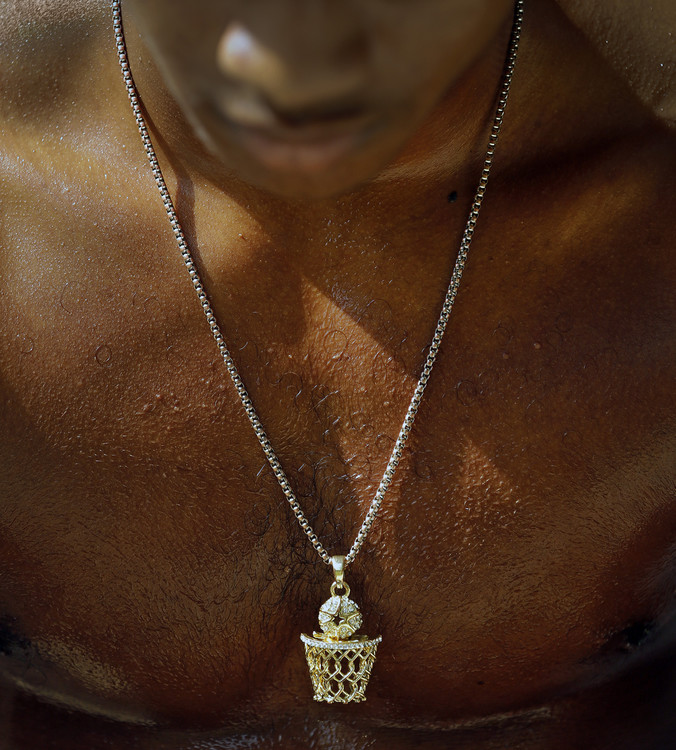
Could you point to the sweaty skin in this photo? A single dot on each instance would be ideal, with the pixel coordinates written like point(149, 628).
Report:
point(153, 582)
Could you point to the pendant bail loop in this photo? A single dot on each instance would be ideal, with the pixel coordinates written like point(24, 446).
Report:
point(338, 562)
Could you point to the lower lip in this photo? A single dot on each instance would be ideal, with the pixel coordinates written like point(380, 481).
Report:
point(312, 156)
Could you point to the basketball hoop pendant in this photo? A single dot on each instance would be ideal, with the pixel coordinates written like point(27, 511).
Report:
point(339, 661)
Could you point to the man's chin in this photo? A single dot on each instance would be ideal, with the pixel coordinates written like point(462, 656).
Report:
point(292, 184)
point(312, 169)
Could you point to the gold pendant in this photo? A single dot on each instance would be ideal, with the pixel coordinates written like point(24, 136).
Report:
point(339, 661)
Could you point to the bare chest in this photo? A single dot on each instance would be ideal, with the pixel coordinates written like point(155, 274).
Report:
point(529, 528)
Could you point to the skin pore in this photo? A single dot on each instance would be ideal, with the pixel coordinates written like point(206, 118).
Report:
point(153, 582)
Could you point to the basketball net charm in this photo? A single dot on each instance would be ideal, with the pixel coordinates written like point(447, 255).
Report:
point(339, 661)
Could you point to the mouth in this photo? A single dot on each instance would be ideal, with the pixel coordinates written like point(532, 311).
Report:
point(308, 145)
point(305, 153)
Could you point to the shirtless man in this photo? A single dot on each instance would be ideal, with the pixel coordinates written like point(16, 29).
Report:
point(323, 157)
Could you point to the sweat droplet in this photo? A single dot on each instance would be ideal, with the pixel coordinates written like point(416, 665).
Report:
point(103, 355)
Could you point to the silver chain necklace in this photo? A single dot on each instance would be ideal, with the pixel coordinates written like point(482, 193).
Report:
point(340, 662)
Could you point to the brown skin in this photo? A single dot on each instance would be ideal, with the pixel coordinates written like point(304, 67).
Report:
point(154, 583)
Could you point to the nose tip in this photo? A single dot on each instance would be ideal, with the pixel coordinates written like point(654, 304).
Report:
point(296, 78)
point(243, 58)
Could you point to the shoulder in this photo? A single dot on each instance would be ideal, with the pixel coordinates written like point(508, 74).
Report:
point(638, 39)
point(44, 42)
point(52, 56)
point(64, 114)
